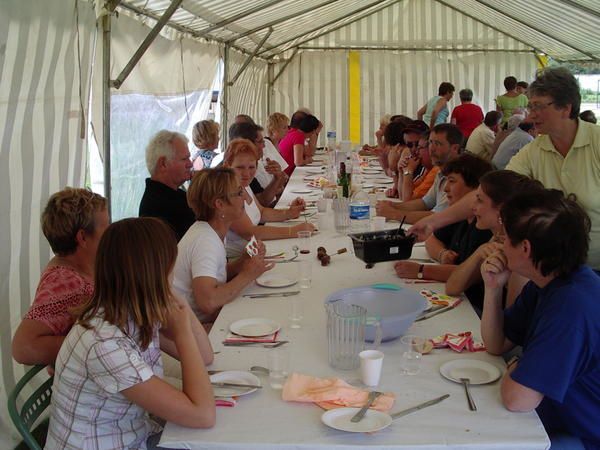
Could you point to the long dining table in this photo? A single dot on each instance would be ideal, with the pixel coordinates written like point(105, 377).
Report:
point(262, 420)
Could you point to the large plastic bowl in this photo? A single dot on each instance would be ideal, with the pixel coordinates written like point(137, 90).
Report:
point(396, 308)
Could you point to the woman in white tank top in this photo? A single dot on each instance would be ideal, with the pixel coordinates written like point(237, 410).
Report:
point(242, 156)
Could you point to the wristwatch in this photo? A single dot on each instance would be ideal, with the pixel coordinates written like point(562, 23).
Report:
point(420, 274)
point(406, 172)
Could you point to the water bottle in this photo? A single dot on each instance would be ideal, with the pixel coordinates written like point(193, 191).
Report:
point(331, 137)
point(360, 212)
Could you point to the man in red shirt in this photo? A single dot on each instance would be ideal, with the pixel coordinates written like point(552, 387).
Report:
point(466, 116)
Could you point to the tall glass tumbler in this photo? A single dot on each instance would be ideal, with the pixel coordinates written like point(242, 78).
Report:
point(345, 334)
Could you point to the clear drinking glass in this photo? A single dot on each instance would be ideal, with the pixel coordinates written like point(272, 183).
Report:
point(411, 354)
point(304, 274)
point(296, 311)
point(278, 362)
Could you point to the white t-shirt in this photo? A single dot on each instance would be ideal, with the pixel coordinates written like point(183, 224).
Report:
point(481, 142)
point(234, 243)
point(270, 151)
point(201, 253)
point(93, 366)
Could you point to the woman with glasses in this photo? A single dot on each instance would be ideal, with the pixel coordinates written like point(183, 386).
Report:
point(202, 274)
point(242, 157)
point(414, 164)
point(73, 223)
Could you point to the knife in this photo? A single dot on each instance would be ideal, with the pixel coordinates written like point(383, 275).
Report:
point(271, 294)
point(404, 412)
point(239, 385)
point(435, 313)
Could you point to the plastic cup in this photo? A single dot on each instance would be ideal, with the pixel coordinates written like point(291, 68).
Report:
point(305, 274)
point(322, 205)
point(371, 362)
point(378, 223)
point(296, 311)
point(304, 242)
point(321, 221)
point(278, 361)
point(411, 354)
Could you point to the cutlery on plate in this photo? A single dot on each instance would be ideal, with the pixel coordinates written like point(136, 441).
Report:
point(271, 294)
point(235, 385)
point(434, 313)
point(361, 413)
point(264, 344)
point(404, 412)
point(466, 382)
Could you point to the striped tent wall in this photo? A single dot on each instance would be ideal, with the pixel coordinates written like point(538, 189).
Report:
point(40, 146)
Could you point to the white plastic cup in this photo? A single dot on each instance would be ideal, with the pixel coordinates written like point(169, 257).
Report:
point(371, 363)
point(305, 274)
point(378, 223)
point(278, 361)
point(322, 205)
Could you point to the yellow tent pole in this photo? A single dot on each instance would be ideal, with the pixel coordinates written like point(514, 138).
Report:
point(354, 96)
point(542, 61)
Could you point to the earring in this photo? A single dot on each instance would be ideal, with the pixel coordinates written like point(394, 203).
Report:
point(222, 216)
point(500, 220)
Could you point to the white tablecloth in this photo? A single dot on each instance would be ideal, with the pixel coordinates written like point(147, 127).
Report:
point(263, 421)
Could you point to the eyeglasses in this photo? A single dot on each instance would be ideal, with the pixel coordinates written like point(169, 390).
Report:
point(534, 107)
point(412, 144)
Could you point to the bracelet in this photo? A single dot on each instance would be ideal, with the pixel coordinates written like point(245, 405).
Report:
point(512, 362)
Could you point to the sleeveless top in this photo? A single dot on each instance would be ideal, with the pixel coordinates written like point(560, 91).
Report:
point(442, 115)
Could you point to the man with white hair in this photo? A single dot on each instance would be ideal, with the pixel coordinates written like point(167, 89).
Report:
point(169, 164)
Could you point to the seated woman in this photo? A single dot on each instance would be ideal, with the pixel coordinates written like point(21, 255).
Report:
point(205, 136)
point(241, 156)
point(73, 223)
point(368, 150)
point(495, 188)
point(293, 146)
point(108, 371)
point(453, 244)
point(554, 319)
point(202, 275)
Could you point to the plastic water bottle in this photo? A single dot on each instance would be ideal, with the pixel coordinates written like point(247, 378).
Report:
point(331, 139)
point(360, 212)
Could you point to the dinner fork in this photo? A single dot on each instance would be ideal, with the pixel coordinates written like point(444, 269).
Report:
point(370, 399)
point(465, 382)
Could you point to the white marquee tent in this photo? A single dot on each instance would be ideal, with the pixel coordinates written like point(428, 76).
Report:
point(350, 61)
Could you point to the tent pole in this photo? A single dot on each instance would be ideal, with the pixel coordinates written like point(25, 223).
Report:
point(106, 23)
point(250, 57)
point(269, 88)
point(225, 99)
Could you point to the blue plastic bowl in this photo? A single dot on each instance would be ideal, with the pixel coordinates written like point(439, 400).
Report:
point(396, 307)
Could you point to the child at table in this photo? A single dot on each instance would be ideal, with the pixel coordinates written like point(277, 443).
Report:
point(107, 375)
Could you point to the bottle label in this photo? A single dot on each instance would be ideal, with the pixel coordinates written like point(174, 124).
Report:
point(359, 212)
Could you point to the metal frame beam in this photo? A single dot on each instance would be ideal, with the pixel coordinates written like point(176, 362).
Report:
point(181, 28)
point(225, 99)
point(280, 20)
point(249, 12)
point(536, 29)
point(250, 57)
point(338, 19)
point(146, 43)
point(583, 8)
point(287, 63)
point(488, 25)
point(410, 49)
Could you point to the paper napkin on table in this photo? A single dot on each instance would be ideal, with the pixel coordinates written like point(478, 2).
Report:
point(330, 393)
point(225, 401)
point(458, 342)
point(237, 338)
point(436, 298)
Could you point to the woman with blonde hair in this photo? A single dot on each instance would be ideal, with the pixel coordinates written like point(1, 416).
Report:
point(205, 136)
point(277, 127)
point(242, 156)
point(73, 222)
point(202, 274)
point(108, 371)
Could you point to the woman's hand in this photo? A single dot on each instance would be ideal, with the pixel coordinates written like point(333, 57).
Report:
point(272, 167)
point(412, 163)
point(487, 249)
point(298, 201)
point(407, 269)
point(293, 212)
point(448, 257)
point(494, 270)
point(256, 266)
point(391, 193)
point(384, 208)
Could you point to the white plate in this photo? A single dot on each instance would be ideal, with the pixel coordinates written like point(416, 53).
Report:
point(340, 420)
point(273, 280)
point(314, 172)
point(383, 181)
point(234, 376)
point(315, 164)
point(372, 171)
point(367, 185)
point(302, 191)
point(478, 372)
point(255, 327)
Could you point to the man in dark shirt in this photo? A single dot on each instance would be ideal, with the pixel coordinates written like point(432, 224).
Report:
point(169, 164)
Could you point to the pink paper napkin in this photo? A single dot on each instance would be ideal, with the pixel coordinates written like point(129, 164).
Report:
point(330, 393)
point(458, 342)
point(225, 401)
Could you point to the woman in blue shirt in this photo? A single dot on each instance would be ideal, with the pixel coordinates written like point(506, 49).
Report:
point(556, 318)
